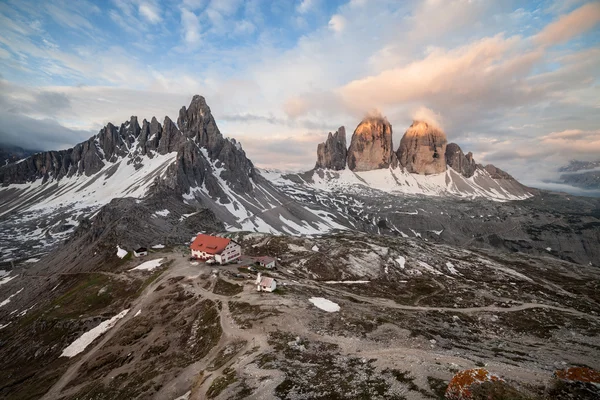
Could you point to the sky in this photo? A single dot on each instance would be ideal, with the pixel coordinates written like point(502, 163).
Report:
point(515, 82)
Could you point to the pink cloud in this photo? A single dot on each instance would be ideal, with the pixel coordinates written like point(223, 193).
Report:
point(570, 25)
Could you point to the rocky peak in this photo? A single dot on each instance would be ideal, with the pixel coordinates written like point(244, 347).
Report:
point(422, 149)
point(496, 173)
point(171, 137)
point(197, 122)
point(458, 161)
point(371, 146)
point(332, 153)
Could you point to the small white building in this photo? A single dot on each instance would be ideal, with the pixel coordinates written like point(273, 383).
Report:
point(142, 251)
point(265, 284)
point(222, 250)
point(267, 262)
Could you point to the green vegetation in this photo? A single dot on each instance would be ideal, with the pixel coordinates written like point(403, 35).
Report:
point(221, 383)
point(225, 288)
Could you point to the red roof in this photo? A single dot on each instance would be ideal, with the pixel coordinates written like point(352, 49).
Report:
point(209, 244)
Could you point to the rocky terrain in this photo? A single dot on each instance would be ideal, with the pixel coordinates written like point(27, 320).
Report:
point(411, 315)
point(393, 276)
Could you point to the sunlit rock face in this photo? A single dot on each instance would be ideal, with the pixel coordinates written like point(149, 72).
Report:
point(371, 146)
point(422, 149)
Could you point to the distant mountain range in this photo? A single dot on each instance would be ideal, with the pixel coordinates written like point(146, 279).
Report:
point(582, 174)
point(10, 154)
point(426, 188)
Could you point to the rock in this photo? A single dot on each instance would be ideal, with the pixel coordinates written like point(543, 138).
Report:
point(171, 137)
point(371, 146)
point(422, 149)
point(198, 123)
point(332, 153)
point(456, 159)
point(154, 135)
point(496, 173)
point(195, 163)
point(462, 384)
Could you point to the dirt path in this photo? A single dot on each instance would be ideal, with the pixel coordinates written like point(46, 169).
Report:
point(55, 391)
point(255, 343)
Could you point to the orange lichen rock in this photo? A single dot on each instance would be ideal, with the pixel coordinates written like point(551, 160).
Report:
point(460, 387)
point(578, 374)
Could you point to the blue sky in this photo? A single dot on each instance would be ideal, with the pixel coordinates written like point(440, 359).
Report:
point(515, 82)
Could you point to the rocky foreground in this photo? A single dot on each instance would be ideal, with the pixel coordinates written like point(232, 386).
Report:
point(408, 315)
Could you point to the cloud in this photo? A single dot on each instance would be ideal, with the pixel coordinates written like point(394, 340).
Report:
point(295, 107)
point(38, 134)
point(193, 4)
point(465, 74)
point(573, 141)
point(570, 25)
point(190, 26)
point(427, 115)
point(337, 23)
point(150, 12)
point(305, 6)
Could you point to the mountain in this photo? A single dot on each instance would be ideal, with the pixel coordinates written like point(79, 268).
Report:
point(47, 196)
point(54, 190)
point(371, 146)
point(423, 149)
point(10, 154)
point(374, 268)
point(582, 174)
point(332, 153)
point(423, 164)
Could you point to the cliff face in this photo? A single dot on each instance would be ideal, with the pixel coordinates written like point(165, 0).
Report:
point(423, 149)
point(197, 140)
point(332, 153)
point(458, 161)
point(371, 146)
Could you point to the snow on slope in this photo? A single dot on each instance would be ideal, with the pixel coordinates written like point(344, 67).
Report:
point(123, 178)
point(266, 209)
point(88, 337)
point(398, 181)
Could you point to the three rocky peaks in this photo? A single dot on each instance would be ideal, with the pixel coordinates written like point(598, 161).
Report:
point(424, 150)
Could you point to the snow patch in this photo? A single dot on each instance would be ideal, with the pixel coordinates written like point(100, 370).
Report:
point(121, 252)
point(162, 213)
point(158, 246)
point(295, 248)
point(148, 265)
point(347, 282)
point(315, 248)
point(138, 313)
point(88, 337)
point(32, 260)
point(324, 304)
point(7, 279)
point(5, 302)
point(401, 261)
point(451, 268)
